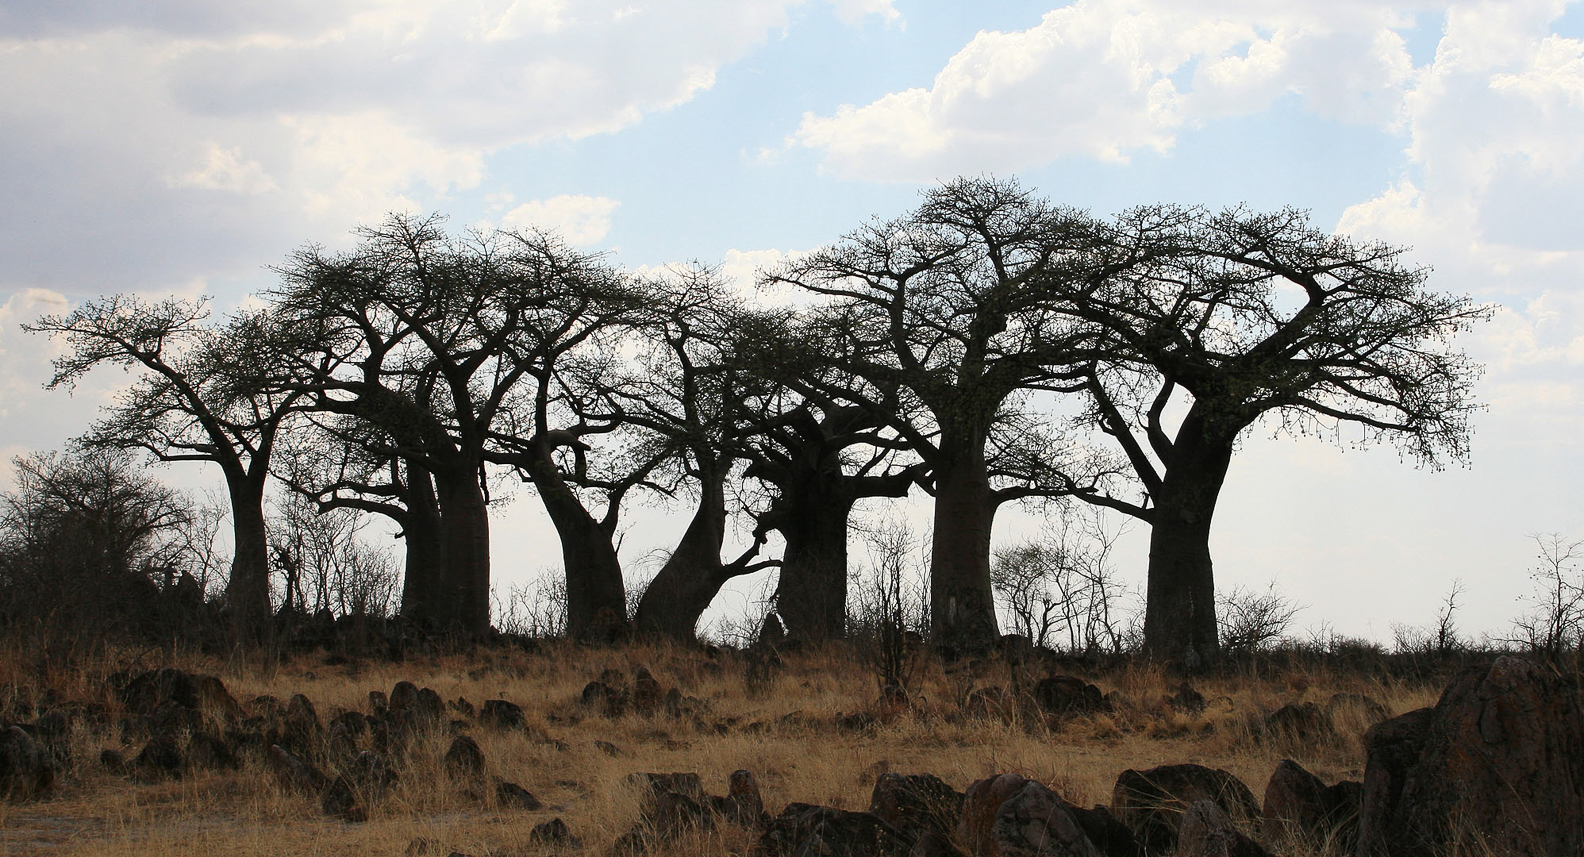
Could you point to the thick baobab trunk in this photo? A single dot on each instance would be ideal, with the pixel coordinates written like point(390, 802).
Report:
point(596, 594)
point(811, 594)
point(247, 592)
point(1180, 610)
point(692, 577)
point(463, 587)
point(962, 609)
point(423, 531)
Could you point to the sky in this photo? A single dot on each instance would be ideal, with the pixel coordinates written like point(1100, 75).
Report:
point(184, 146)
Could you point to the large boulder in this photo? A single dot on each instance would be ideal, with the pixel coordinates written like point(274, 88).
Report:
point(1152, 802)
point(1499, 761)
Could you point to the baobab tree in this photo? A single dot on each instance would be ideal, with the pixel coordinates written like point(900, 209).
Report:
point(186, 406)
point(1204, 323)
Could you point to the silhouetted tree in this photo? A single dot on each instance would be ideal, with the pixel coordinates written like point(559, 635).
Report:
point(942, 318)
point(438, 342)
point(186, 406)
point(1205, 322)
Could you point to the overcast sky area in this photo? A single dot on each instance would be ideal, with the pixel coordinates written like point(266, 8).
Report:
point(183, 146)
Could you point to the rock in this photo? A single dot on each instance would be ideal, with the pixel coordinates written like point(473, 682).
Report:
point(672, 814)
point(1064, 695)
point(932, 844)
point(25, 768)
point(292, 773)
point(372, 774)
point(743, 804)
point(160, 759)
point(113, 761)
point(1036, 822)
point(916, 804)
point(1151, 803)
point(500, 714)
point(340, 801)
point(980, 804)
point(1300, 722)
point(1497, 765)
point(1391, 747)
point(1187, 700)
point(1298, 804)
point(1206, 831)
point(513, 796)
point(989, 703)
point(1107, 832)
point(647, 697)
point(603, 699)
point(804, 830)
point(553, 832)
point(206, 752)
point(463, 759)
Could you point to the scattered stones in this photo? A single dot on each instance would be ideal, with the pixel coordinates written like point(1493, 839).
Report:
point(1151, 803)
point(1499, 762)
point(1206, 831)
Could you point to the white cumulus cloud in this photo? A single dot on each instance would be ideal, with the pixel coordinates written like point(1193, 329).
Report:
point(1106, 78)
point(581, 220)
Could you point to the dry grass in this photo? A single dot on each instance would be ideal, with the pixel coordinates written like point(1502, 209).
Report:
point(787, 734)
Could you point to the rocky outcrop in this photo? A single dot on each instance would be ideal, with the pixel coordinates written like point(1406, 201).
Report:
point(1499, 761)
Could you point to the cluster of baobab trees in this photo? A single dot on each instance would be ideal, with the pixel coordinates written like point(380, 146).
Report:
point(984, 348)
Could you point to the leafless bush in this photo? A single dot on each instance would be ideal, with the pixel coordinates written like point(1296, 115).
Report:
point(890, 601)
point(1251, 621)
point(1554, 627)
point(325, 565)
point(1061, 589)
point(536, 609)
point(1442, 638)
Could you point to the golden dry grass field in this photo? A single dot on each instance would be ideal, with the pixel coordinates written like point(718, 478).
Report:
point(793, 730)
